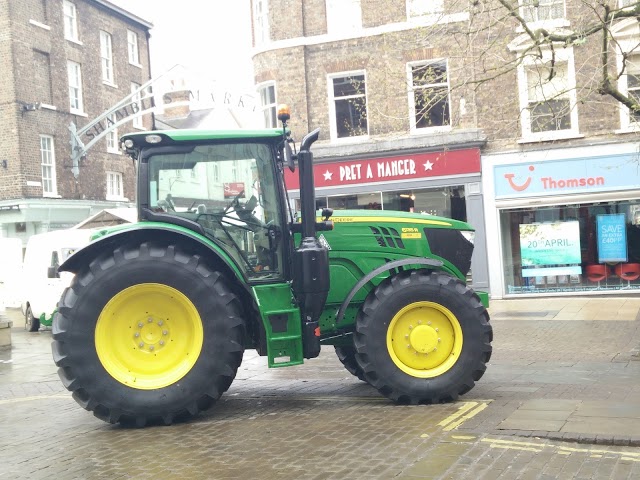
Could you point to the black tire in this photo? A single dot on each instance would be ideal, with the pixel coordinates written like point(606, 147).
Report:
point(416, 297)
point(347, 356)
point(31, 324)
point(215, 313)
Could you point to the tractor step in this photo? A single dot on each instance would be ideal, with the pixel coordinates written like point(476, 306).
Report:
point(282, 324)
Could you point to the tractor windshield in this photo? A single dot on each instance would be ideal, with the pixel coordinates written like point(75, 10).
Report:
point(230, 190)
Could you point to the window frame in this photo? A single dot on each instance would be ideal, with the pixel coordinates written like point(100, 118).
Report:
point(133, 48)
point(110, 193)
point(332, 105)
point(70, 21)
point(261, 31)
point(426, 8)
point(112, 136)
point(411, 96)
point(271, 108)
point(343, 17)
point(627, 38)
point(136, 122)
point(106, 58)
point(48, 161)
point(544, 23)
point(562, 55)
point(76, 86)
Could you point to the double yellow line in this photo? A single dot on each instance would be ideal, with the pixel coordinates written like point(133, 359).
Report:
point(466, 411)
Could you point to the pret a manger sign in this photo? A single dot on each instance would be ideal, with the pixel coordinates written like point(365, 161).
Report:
point(396, 168)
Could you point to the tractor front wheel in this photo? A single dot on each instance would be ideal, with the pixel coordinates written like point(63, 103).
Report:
point(147, 333)
point(423, 337)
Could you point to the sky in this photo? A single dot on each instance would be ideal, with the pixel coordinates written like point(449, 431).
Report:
point(211, 38)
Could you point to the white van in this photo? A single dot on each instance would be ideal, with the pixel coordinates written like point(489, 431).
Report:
point(42, 285)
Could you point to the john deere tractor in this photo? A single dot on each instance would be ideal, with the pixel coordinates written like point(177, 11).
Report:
point(154, 325)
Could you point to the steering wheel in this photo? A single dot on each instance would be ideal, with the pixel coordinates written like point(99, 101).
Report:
point(235, 203)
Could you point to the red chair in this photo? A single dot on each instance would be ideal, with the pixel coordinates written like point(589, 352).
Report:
point(597, 272)
point(628, 272)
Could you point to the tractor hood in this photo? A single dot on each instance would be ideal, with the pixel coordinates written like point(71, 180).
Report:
point(402, 234)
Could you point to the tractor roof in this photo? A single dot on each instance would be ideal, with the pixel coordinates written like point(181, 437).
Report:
point(140, 139)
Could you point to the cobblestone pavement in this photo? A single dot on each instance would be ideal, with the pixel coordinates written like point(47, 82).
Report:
point(316, 421)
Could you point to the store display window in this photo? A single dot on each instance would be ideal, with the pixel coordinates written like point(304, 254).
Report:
point(447, 201)
point(572, 248)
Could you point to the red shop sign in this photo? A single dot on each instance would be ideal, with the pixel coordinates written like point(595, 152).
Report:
point(233, 189)
point(401, 167)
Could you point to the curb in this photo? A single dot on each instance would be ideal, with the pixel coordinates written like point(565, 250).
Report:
point(568, 437)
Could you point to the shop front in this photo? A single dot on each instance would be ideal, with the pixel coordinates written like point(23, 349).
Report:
point(566, 221)
point(445, 183)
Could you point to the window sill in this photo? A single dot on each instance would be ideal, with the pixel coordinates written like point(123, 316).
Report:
point(116, 199)
point(79, 113)
point(114, 152)
point(343, 140)
point(550, 137)
point(51, 195)
point(46, 106)
point(546, 24)
point(437, 18)
point(35, 23)
point(138, 65)
point(430, 130)
point(109, 84)
point(139, 127)
point(630, 129)
point(73, 40)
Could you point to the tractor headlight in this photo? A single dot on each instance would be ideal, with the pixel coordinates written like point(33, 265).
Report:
point(469, 235)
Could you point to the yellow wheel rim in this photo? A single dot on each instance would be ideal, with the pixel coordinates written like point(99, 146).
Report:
point(424, 339)
point(149, 336)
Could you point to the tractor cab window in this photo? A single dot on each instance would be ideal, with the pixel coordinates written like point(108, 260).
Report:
point(230, 190)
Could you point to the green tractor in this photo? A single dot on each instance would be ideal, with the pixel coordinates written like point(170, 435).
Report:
point(154, 325)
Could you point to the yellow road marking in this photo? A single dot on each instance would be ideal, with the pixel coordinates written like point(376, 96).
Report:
point(463, 437)
point(457, 419)
point(512, 447)
point(560, 449)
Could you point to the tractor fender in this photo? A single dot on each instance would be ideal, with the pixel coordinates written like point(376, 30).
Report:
point(141, 233)
point(383, 268)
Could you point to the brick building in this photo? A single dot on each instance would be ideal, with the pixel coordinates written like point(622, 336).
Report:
point(63, 62)
point(425, 106)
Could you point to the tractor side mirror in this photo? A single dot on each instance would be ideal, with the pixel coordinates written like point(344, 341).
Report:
point(289, 157)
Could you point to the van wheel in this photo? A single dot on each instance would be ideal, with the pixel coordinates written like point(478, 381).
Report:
point(31, 324)
point(423, 337)
point(148, 334)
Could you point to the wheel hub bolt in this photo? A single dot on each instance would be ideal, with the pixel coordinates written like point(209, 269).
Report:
point(150, 347)
point(160, 323)
point(149, 319)
point(136, 335)
point(161, 342)
point(140, 324)
point(165, 332)
point(141, 344)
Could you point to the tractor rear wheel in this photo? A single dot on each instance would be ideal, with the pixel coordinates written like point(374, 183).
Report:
point(147, 333)
point(347, 356)
point(423, 337)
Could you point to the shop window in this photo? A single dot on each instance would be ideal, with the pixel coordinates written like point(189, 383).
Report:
point(548, 97)
point(348, 102)
point(588, 247)
point(429, 101)
point(135, 90)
